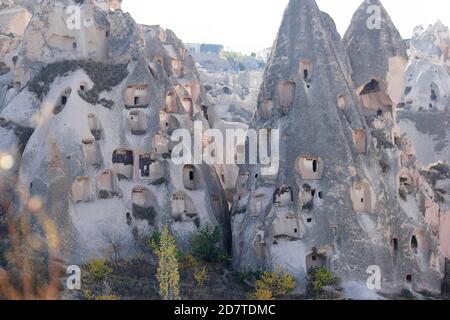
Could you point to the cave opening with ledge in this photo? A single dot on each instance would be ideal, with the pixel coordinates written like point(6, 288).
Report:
point(287, 225)
point(360, 141)
point(363, 197)
point(172, 102)
point(123, 163)
point(310, 167)
point(286, 95)
point(62, 101)
point(283, 196)
point(137, 122)
point(144, 205)
point(107, 185)
point(137, 96)
point(81, 189)
point(160, 144)
point(414, 245)
point(306, 70)
point(267, 108)
point(168, 123)
point(92, 154)
point(188, 106)
point(95, 126)
point(374, 96)
point(183, 209)
point(315, 260)
point(191, 178)
point(342, 101)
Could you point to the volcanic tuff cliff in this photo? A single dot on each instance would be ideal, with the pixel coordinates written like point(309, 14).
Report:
point(424, 113)
point(99, 102)
point(87, 113)
point(335, 200)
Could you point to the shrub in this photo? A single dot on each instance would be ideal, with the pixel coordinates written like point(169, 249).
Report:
point(99, 268)
point(105, 76)
point(201, 276)
point(107, 298)
point(206, 244)
point(245, 277)
point(262, 295)
point(154, 240)
point(88, 295)
point(188, 262)
point(319, 278)
point(224, 256)
point(274, 284)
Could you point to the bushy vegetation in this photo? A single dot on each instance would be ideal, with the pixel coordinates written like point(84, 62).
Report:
point(434, 173)
point(206, 245)
point(188, 261)
point(273, 285)
point(105, 76)
point(99, 268)
point(246, 277)
point(201, 276)
point(235, 59)
point(107, 298)
point(319, 279)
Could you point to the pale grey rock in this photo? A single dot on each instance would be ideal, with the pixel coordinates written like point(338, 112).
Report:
point(370, 44)
point(311, 213)
point(424, 113)
point(92, 109)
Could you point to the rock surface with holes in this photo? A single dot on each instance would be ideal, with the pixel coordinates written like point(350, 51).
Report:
point(335, 199)
point(424, 113)
point(99, 156)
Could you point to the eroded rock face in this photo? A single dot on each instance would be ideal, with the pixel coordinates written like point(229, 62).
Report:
point(424, 113)
point(103, 101)
point(332, 206)
point(372, 34)
point(232, 106)
point(424, 116)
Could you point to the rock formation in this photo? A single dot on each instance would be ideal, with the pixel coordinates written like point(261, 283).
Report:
point(426, 187)
point(101, 96)
point(333, 206)
point(91, 104)
point(423, 115)
point(424, 112)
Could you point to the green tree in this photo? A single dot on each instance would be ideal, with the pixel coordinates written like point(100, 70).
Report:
point(235, 59)
point(319, 278)
point(167, 274)
point(206, 244)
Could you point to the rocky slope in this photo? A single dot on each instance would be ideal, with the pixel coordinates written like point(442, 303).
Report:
point(101, 101)
point(90, 107)
point(424, 112)
point(334, 206)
